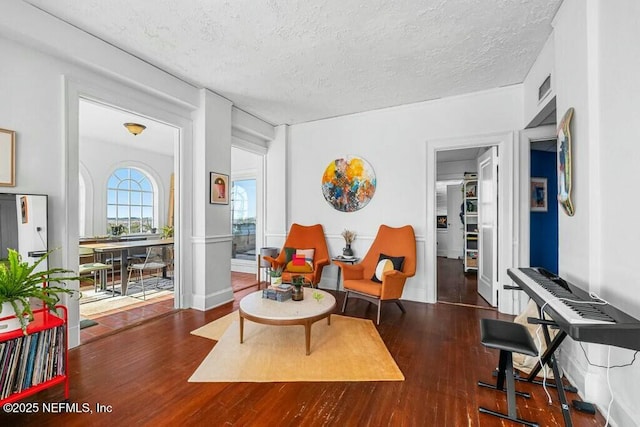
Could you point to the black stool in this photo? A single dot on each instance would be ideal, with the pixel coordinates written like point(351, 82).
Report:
point(508, 337)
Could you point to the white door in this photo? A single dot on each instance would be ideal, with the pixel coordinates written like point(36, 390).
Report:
point(488, 226)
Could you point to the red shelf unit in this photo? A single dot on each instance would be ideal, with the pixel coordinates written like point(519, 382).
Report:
point(43, 320)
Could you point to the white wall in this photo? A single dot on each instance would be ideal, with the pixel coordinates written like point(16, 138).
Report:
point(597, 68)
point(455, 170)
point(33, 89)
point(541, 69)
point(618, 157)
point(32, 108)
point(393, 141)
point(448, 200)
point(52, 65)
point(276, 189)
point(100, 159)
point(243, 163)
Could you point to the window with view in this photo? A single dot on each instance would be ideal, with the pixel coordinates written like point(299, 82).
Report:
point(243, 218)
point(130, 201)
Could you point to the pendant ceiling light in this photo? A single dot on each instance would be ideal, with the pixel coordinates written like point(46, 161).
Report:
point(135, 128)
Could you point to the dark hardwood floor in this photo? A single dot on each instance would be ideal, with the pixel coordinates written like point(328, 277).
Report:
point(141, 374)
point(455, 287)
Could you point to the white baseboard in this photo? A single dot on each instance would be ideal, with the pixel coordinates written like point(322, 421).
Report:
point(213, 300)
point(621, 414)
point(243, 266)
point(455, 254)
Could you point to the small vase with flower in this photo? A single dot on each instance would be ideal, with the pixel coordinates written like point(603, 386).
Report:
point(349, 236)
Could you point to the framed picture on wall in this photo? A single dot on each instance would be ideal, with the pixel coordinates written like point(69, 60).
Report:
point(565, 163)
point(538, 198)
point(24, 209)
point(442, 221)
point(7, 158)
point(219, 188)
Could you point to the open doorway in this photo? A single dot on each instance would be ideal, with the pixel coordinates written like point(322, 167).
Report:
point(543, 219)
point(247, 215)
point(456, 283)
point(245, 196)
point(126, 210)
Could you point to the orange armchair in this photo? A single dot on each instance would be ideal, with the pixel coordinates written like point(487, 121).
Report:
point(358, 283)
point(304, 237)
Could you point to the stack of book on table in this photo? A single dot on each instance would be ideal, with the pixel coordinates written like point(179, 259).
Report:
point(279, 293)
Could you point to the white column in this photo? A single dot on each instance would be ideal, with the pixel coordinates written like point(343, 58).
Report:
point(277, 188)
point(211, 222)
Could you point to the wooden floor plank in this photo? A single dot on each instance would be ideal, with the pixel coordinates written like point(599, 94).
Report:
point(142, 374)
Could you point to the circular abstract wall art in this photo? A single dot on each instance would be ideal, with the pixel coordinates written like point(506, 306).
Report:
point(348, 183)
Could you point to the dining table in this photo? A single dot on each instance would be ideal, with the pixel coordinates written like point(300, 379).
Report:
point(123, 248)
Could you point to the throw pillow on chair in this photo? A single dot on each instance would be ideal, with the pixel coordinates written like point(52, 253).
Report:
point(289, 253)
point(298, 260)
point(304, 268)
point(301, 262)
point(386, 263)
point(307, 254)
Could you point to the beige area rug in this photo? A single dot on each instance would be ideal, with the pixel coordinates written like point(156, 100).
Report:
point(347, 350)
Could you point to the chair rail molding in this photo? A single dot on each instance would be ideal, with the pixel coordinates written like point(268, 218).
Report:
point(216, 238)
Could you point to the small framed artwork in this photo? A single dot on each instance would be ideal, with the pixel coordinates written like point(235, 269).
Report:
point(538, 199)
point(442, 221)
point(219, 191)
point(24, 209)
point(7, 158)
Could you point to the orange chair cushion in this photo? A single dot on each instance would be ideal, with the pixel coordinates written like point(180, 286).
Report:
point(364, 286)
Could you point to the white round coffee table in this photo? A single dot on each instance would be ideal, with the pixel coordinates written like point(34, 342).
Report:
point(269, 312)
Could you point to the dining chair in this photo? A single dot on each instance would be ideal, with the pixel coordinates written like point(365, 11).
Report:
point(154, 261)
point(95, 267)
point(134, 254)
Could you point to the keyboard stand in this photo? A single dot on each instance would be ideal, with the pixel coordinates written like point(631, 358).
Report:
point(549, 358)
point(606, 325)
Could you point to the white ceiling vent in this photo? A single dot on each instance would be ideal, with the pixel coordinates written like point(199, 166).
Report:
point(544, 88)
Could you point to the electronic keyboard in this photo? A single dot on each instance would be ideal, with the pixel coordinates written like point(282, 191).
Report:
point(575, 312)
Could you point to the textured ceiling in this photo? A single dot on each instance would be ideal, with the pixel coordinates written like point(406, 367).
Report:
point(289, 61)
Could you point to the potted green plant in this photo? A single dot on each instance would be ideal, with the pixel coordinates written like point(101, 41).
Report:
point(276, 276)
point(20, 281)
point(117, 230)
point(298, 293)
point(167, 231)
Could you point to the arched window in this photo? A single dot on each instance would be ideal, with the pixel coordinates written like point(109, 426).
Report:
point(239, 201)
point(243, 218)
point(130, 201)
